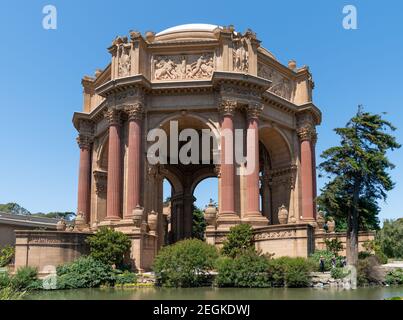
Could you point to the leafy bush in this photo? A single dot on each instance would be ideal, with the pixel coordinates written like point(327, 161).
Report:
point(85, 272)
point(334, 246)
point(338, 273)
point(327, 256)
point(290, 272)
point(185, 263)
point(25, 279)
point(373, 248)
point(5, 280)
point(9, 293)
point(239, 239)
point(363, 255)
point(6, 255)
point(245, 270)
point(389, 238)
point(367, 271)
point(394, 277)
point(109, 246)
point(125, 277)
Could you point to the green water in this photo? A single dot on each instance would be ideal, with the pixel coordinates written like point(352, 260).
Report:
point(373, 293)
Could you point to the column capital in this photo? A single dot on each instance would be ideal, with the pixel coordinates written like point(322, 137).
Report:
point(84, 141)
point(227, 107)
point(254, 110)
point(307, 132)
point(134, 111)
point(113, 116)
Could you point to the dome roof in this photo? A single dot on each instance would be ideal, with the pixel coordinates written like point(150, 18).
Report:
point(192, 31)
point(189, 27)
point(195, 31)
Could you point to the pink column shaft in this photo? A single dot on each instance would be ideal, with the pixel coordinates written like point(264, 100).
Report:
point(252, 179)
point(134, 161)
point(84, 182)
point(307, 180)
point(114, 174)
point(227, 170)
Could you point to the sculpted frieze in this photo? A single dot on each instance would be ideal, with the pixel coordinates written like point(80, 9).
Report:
point(281, 86)
point(183, 67)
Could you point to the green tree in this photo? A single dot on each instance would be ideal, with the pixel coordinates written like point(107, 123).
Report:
point(389, 238)
point(13, 208)
point(358, 169)
point(109, 246)
point(58, 215)
point(239, 239)
point(199, 224)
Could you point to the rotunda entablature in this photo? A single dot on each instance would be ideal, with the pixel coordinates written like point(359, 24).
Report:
point(198, 58)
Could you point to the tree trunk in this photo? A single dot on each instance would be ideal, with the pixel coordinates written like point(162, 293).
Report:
point(352, 230)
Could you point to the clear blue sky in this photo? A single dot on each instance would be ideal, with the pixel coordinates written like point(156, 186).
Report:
point(41, 72)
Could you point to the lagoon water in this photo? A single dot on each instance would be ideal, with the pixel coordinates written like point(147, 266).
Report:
point(371, 293)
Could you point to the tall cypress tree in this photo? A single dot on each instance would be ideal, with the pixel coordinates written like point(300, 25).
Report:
point(358, 170)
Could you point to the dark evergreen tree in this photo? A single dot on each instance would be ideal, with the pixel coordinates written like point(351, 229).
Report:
point(359, 173)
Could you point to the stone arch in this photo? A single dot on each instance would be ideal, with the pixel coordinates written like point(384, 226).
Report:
point(180, 115)
point(277, 144)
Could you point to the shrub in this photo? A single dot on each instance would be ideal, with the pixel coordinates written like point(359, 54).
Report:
point(239, 239)
point(109, 246)
point(25, 279)
point(334, 246)
point(394, 277)
point(297, 273)
point(245, 270)
point(185, 263)
point(9, 293)
point(5, 280)
point(125, 277)
point(373, 248)
point(389, 238)
point(85, 272)
point(6, 255)
point(290, 272)
point(338, 273)
point(367, 271)
point(327, 256)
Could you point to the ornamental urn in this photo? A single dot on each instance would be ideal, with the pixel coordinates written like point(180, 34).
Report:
point(331, 224)
point(320, 219)
point(210, 214)
point(137, 216)
point(152, 221)
point(282, 214)
point(61, 225)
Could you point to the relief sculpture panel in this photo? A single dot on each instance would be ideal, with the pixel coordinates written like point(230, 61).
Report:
point(183, 67)
point(281, 86)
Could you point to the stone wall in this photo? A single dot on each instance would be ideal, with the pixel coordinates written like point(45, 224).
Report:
point(294, 240)
point(363, 236)
point(48, 249)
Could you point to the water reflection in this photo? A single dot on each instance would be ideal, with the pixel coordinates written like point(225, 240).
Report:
point(377, 293)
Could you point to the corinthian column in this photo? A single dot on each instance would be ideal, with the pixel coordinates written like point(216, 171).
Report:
point(227, 214)
point(306, 133)
point(252, 166)
point(135, 114)
point(84, 176)
point(113, 197)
